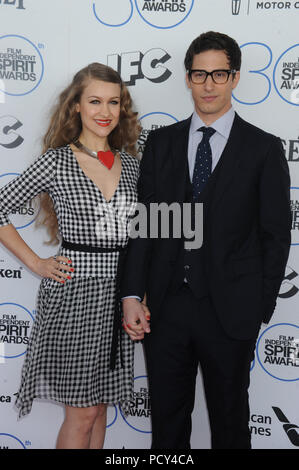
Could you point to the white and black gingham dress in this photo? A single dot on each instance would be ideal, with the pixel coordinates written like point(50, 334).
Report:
point(68, 354)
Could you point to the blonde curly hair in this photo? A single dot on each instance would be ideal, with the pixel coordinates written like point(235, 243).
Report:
point(65, 126)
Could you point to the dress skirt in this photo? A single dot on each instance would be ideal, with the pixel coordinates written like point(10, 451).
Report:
point(68, 355)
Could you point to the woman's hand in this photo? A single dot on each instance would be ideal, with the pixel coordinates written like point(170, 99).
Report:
point(136, 318)
point(54, 268)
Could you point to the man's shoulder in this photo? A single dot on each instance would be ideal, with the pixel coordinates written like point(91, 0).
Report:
point(252, 131)
point(171, 129)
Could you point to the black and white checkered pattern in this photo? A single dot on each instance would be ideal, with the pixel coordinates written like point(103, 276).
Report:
point(68, 354)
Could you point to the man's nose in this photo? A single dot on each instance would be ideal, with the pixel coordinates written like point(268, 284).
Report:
point(209, 84)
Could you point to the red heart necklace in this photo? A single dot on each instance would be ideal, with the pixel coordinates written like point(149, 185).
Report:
point(106, 158)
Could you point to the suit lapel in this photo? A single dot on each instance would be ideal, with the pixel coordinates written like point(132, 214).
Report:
point(180, 166)
point(228, 161)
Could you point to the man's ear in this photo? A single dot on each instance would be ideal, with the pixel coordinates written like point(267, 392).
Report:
point(236, 79)
point(188, 80)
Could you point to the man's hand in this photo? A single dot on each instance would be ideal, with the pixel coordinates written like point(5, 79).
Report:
point(135, 319)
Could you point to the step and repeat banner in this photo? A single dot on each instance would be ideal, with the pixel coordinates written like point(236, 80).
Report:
point(42, 44)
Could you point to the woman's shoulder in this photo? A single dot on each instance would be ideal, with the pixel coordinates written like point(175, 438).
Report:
point(59, 151)
point(55, 154)
point(130, 160)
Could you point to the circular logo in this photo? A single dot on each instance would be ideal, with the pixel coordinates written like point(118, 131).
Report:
point(286, 75)
point(140, 407)
point(21, 65)
point(9, 138)
point(295, 214)
point(15, 327)
point(260, 55)
point(164, 15)
point(8, 441)
point(278, 351)
point(107, 13)
point(150, 122)
point(25, 215)
point(111, 415)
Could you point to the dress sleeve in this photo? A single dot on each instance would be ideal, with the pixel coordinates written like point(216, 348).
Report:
point(37, 178)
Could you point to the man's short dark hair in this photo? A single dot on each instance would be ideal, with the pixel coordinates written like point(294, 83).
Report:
point(214, 41)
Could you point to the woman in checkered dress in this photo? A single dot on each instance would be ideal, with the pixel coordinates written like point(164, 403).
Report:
point(78, 355)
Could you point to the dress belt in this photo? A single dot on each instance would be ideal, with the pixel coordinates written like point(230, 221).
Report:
point(89, 248)
point(117, 323)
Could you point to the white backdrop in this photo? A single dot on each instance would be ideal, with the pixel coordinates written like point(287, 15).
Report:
point(42, 44)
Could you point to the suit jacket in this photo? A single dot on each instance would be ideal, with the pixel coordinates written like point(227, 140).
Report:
point(247, 223)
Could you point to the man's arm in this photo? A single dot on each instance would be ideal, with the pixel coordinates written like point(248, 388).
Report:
point(138, 255)
point(275, 223)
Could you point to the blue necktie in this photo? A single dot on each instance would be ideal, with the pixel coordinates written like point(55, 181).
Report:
point(203, 162)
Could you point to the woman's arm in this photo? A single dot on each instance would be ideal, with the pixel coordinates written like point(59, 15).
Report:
point(37, 178)
point(48, 267)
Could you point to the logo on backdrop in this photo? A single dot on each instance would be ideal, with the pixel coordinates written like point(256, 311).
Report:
point(295, 215)
point(278, 6)
point(25, 215)
point(236, 5)
point(289, 284)
point(286, 75)
point(291, 430)
point(260, 425)
point(164, 13)
point(152, 121)
point(161, 14)
point(5, 399)
point(139, 414)
point(246, 6)
point(21, 65)
point(291, 149)
point(7, 273)
point(136, 65)
point(15, 327)
point(8, 441)
point(278, 351)
point(19, 4)
point(9, 138)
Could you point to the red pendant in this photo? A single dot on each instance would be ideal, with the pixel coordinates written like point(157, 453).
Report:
point(107, 158)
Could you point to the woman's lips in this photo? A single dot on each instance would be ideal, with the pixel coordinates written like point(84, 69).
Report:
point(103, 123)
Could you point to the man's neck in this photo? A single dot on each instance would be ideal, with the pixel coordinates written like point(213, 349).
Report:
point(209, 119)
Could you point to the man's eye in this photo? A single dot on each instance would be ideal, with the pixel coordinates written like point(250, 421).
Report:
point(199, 74)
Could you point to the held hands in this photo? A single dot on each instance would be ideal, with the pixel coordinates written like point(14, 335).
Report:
point(136, 318)
point(54, 268)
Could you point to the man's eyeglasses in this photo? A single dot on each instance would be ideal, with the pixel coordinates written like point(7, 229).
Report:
point(218, 76)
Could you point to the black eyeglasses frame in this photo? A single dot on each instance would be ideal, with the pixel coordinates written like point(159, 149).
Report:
point(229, 72)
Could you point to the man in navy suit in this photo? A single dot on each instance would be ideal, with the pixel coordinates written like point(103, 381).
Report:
point(207, 304)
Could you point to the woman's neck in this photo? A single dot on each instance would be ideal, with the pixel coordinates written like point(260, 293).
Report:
point(94, 143)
